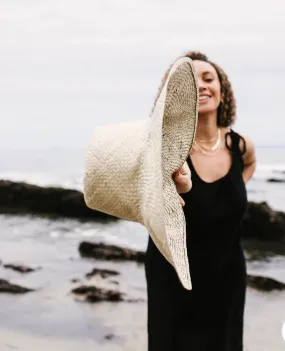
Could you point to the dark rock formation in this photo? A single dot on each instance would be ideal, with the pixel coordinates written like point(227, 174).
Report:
point(23, 198)
point(19, 268)
point(94, 294)
point(6, 287)
point(114, 282)
point(109, 252)
point(264, 283)
point(263, 223)
point(103, 273)
point(275, 180)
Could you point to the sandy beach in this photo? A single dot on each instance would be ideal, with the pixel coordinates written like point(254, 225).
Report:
point(65, 325)
point(53, 318)
point(124, 326)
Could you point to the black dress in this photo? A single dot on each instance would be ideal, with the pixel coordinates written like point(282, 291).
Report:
point(210, 316)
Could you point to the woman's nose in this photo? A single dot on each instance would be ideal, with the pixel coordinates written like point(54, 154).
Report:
point(201, 85)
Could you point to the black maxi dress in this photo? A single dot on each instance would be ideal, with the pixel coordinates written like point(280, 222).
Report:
point(210, 316)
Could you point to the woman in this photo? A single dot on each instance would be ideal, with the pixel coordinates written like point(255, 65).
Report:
point(210, 316)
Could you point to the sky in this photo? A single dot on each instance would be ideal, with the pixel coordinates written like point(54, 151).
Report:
point(68, 66)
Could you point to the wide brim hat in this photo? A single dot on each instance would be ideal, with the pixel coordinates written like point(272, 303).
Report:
point(129, 167)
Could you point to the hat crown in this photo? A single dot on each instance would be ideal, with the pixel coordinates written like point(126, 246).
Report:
point(116, 151)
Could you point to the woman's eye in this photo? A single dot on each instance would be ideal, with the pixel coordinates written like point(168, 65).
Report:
point(209, 80)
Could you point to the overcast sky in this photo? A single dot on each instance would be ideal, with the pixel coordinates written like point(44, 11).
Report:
point(67, 66)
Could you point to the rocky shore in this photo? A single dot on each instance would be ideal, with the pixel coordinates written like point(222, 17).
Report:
point(87, 286)
point(91, 293)
point(260, 223)
point(24, 198)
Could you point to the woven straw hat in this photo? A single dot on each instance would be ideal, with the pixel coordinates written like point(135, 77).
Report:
point(129, 167)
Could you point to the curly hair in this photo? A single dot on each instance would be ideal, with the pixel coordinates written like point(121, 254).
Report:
point(227, 107)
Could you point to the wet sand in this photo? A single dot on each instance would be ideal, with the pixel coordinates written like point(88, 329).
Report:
point(53, 318)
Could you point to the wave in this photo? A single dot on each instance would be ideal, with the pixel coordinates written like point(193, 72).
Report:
point(270, 171)
point(271, 167)
point(66, 181)
point(74, 180)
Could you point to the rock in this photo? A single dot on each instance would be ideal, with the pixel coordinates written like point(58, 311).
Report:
point(24, 198)
point(275, 180)
point(257, 250)
point(109, 252)
point(109, 336)
point(264, 283)
point(19, 268)
point(94, 294)
point(6, 287)
point(114, 282)
point(263, 223)
point(135, 300)
point(75, 280)
point(103, 273)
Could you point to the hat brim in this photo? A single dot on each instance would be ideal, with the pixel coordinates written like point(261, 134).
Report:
point(129, 167)
point(176, 113)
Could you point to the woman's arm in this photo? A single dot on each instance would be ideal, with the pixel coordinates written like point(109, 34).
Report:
point(249, 160)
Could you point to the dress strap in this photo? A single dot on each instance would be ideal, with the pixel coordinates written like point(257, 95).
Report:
point(237, 145)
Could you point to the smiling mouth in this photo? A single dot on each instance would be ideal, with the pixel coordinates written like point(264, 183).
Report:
point(204, 97)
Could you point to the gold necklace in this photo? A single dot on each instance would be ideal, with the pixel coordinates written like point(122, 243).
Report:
point(206, 152)
point(208, 141)
point(215, 147)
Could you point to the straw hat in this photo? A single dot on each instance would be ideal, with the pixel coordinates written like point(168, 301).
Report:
point(129, 167)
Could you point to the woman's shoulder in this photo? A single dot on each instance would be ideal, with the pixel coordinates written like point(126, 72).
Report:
point(246, 146)
point(249, 154)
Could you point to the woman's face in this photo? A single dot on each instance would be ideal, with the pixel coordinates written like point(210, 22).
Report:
point(209, 87)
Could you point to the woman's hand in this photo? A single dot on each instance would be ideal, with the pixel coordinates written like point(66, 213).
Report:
point(182, 202)
point(182, 179)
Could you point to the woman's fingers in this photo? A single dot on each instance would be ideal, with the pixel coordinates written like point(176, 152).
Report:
point(182, 202)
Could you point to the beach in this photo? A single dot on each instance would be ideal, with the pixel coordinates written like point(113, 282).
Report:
point(125, 329)
point(52, 316)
